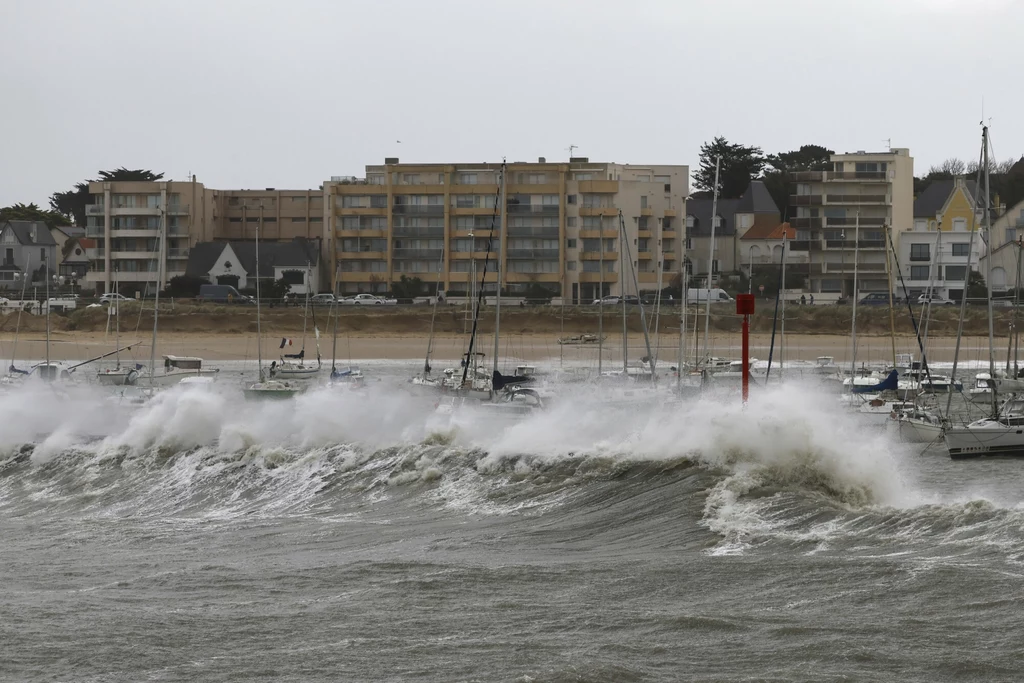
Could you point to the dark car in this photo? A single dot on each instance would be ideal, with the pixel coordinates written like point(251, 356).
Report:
point(877, 299)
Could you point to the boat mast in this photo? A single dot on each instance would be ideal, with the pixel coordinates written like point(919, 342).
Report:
point(46, 276)
point(622, 298)
point(433, 312)
point(1013, 321)
point(259, 333)
point(892, 311)
point(21, 308)
point(967, 274)
point(926, 310)
point(501, 257)
point(156, 299)
point(711, 256)
point(600, 296)
point(640, 304)
point(987, 239)
point(682, 327)
point(782, 332)
point(334, 343)
point(853, 323)
point(117, 324)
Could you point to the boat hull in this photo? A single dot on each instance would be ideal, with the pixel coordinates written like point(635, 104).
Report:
point(989, 441)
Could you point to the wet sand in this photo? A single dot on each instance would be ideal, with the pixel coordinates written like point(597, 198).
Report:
point(450, 347)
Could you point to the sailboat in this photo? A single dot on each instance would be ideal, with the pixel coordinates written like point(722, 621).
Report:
point(118, 375)
point(14, 374)
point(1000, 433)
point(265, 388)
point(350, 376)
point(293, 365)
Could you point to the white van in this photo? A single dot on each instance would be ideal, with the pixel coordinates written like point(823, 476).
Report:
point(702, 295)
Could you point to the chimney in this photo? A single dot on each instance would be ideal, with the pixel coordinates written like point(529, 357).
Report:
point(541, 160)
point(390, 161)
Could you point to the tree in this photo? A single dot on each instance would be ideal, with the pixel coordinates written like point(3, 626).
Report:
point(977, 288)
point(739, 165)
point(31, 212)
point(778, 180)
point(950, 168)
point(71, 203)
point(407, 288)
point(185, 286)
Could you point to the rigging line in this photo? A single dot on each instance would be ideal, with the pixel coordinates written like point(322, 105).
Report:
point(775, 320)
point(483, 278)
point(910, 309)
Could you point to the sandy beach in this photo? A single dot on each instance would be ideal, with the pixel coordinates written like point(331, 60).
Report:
point(76, 345)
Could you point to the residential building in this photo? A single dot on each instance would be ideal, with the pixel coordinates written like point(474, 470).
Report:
point(130, 217)
point(842, 216)
point(735, 218)
point(938, 249)
point(28, 248)
point(559, 231)
point(233, 263)
point(74, 262)
point(762, 248)
point(1007, 238)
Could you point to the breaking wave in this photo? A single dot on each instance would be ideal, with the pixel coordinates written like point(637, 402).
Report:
point(787, 468)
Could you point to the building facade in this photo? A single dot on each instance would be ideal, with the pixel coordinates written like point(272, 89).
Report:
point(558, 231)
point(27, 246)
point(1005, 268)
point(127, 219)
point(842, 217)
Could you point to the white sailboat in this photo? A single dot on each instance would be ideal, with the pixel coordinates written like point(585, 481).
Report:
point(294, 365)
point(265, 388)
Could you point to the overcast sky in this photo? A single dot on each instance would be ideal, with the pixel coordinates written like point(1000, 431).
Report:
point(250, 93)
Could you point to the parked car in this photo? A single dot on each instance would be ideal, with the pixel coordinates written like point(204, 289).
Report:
point(369, 300)
point(115, 296)
point(876, 299)
point(935, 299)
point(610, 300)
point(322, 299)
point(701, 295)
point(223, 294)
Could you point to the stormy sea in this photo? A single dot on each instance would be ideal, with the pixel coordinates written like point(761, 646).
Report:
point(363, 536)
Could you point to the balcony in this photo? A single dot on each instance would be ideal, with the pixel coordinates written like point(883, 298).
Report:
point(96, 253)
point(177, 210)
point(134, 211)
point(95, 231)
point(598, 277)
point(543, 254)
point(177, 253)
point(806, 223)
point(863, 221)
point(94, 209)
point(599, 186)
point(138, 255)
point(422, 254)
point(852, 244)
point(866, 176)
point(418, 209)
point(805, 200)
point(533, 209)
point(596, 255)
point(856, 199)
point(644, 255)
point(533, 232)
point(599, 211)
point(418, 232)
point(363, 255)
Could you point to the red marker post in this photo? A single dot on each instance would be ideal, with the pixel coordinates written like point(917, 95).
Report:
point(745, 307)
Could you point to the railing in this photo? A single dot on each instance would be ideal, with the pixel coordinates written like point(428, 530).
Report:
point(806, 223)
point(416, 253)
point(94, 231)
point(546, 254)
point(542, 209)
point(532, 232)
point(855, 198)
point(926, 258)
point(94, 209)
point(855, 175)
point(177, 253)
point(418, 232)
point(851, 244)
point(179, 210)
point(805, 200)
point(853, 221)
point(418, 209)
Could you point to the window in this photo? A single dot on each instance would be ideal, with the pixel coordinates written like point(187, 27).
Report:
point(583, 176)
point(570, 244)
point(961, 249)
point(537, 178)
point(691, 222)
point(570, 199)
point(919, 272)
point(831, 286)
point(352, 201)
point(234, 220)
point(297, 200)
point(666, 223)
point(570, 222)
point(570, 265)
point(641, 223)
point(920, 252)
point(591, 245)
point(643, 201)
point(959, 225)
point(467, 179)
point(956, 273)
point(591, 266)
point(714, 267)
point(410, 178)
point(152, 201)
point(316, 219)
point(42, 256)
point(643, 245)
point(549, 199)
point(378, 201)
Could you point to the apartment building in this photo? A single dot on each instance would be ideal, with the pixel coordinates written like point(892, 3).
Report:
point(938, 250)
point(1007, 238)
point(842, 215)
point(558, 230)
point(127, 218)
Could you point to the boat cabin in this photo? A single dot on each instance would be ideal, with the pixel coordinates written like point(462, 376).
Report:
point(183, 363)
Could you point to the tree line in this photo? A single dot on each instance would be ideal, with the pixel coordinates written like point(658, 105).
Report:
point(742, 163)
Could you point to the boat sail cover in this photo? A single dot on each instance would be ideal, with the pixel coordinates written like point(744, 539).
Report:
point(889, 383)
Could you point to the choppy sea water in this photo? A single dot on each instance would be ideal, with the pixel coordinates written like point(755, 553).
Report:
point(359, 536)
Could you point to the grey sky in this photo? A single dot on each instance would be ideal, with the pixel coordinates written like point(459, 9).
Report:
point(247, 93)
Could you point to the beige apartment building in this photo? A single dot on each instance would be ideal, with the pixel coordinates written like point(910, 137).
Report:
point(127, 218)
point(558, 231)
point(842, 215)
